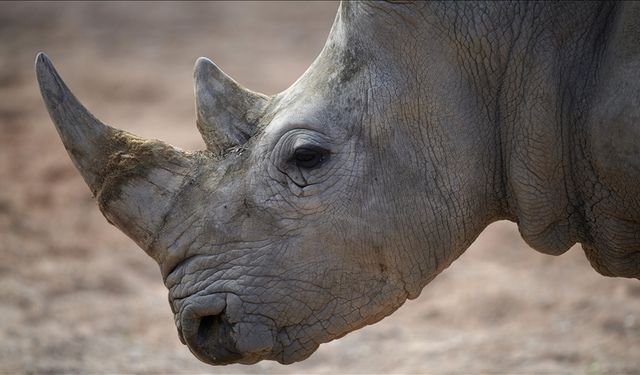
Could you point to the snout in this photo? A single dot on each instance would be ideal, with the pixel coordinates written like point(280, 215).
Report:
point(215, 336)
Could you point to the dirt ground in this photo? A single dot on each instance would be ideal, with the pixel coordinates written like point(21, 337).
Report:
point(78, 296)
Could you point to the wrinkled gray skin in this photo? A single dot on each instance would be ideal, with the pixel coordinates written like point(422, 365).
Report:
point(436, 119)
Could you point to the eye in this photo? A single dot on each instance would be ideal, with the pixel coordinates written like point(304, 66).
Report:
point(309, 157)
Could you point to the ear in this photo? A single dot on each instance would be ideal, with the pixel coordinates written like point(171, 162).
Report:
point(226, 112)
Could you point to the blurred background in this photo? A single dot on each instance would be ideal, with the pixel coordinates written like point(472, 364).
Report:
point(76, 295)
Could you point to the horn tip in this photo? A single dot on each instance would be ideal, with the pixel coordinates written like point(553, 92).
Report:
point(42, 58)
point(203, 61)
point(43, 64)
point(48, 79)
point(204, 69)
point(201, 67)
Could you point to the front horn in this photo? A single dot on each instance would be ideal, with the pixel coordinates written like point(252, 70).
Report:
point(134, 180)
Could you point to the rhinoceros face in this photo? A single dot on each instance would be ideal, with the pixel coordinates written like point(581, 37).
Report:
point(273, 240)
point(271, 248)
point(312, 213)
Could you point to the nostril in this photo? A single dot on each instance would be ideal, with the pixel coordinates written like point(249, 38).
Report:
point(214, 338)
point(213, 332)
point(208, 324)
point(207, 330)
point(212, 327)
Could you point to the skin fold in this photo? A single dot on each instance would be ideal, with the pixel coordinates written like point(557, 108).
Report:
point(321, 209)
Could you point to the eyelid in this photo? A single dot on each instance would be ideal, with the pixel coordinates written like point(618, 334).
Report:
point(307, 141)
point(278, 131)
point(311, 147)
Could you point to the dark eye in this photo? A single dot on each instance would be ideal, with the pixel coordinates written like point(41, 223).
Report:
point(309, 157)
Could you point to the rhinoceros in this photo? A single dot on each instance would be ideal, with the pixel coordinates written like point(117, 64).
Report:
point(321, 209)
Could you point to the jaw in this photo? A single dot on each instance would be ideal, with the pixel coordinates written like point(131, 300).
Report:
point(227, 327)
point(220, 329)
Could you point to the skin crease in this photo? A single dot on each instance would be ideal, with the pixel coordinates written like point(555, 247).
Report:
point(460, 114)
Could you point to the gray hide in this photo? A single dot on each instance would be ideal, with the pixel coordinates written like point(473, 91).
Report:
point(320, 210)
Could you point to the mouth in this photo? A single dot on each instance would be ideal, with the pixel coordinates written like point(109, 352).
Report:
point(214, 333)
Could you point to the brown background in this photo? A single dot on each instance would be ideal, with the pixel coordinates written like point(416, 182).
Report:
point(77, 295)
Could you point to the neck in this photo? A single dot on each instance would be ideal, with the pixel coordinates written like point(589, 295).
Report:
point(546, 76)
point(541, 109)
point(553, 137)
point(563, 143)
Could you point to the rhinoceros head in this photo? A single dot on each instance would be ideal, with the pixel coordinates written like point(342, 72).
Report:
point(312, 212)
